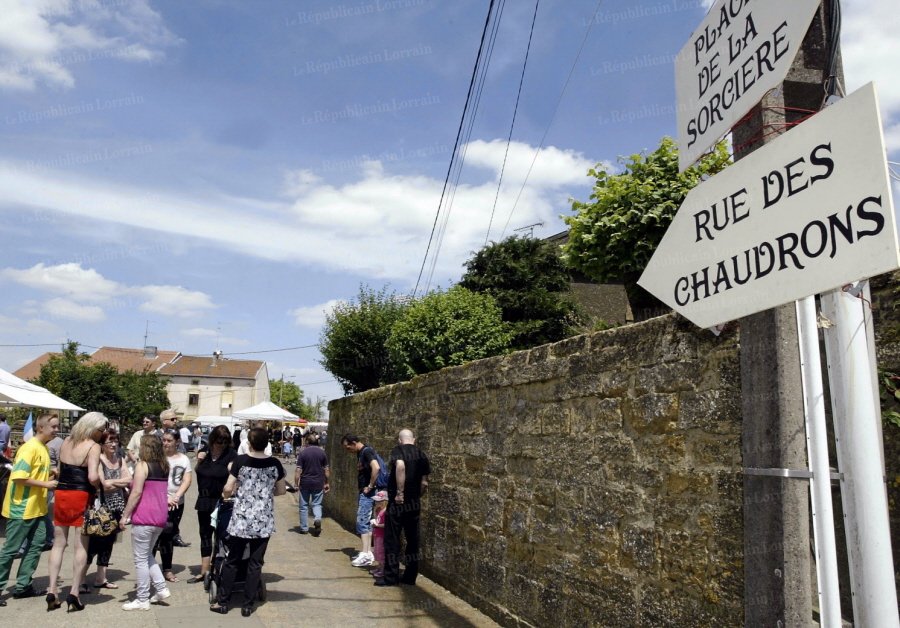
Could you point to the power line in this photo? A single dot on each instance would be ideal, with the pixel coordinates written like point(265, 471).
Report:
point(513, 123)
point(487, 21)
point(553, 116)
point(467, 136)
point(270, 350)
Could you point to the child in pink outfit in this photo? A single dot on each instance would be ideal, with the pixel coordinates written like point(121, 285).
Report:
point(379, 510)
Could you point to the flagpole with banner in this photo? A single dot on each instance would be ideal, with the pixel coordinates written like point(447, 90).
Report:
point(29, 428)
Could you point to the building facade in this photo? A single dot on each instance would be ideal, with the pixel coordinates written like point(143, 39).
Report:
point(197, 385)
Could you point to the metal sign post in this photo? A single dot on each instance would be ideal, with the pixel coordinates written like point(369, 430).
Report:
point(820, 471)
point(857, 427)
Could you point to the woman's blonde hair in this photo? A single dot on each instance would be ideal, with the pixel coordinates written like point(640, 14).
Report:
point(151, 450)
point(86, 425)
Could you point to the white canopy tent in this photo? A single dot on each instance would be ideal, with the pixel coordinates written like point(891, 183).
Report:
point(15, 391)
point(265, 411)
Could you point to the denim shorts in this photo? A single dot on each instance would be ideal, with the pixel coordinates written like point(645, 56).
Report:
point(364, 514)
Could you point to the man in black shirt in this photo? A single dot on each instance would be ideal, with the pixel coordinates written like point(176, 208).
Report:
point(367, 468)
point(409, 469)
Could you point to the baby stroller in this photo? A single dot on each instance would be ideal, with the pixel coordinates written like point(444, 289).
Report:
point(220, 553)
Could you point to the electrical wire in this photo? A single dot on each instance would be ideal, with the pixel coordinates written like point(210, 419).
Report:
point(513, 123)
point(466, 138)
point(462, 119)
point(832, 85)
point(269, 350)
point(562, 93)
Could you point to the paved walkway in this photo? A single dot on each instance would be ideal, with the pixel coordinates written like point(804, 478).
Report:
point(310, 582)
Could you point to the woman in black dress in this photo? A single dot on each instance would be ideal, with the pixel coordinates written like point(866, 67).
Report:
point(213, 464)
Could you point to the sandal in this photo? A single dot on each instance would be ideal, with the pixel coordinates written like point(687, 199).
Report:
point(198, 578)
point(106, 584)
point(170, 577)
point(218, 608)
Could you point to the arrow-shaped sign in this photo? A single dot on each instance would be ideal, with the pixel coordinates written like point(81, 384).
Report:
point(741, 50)
point(807, 213)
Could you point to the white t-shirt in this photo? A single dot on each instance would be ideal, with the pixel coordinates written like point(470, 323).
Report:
point(134, 445)
point(185, 435)
point(245, 448)
point(179, 466)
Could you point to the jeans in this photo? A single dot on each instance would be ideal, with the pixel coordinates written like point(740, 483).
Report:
point(310, 497)
point(236, 546)
point(19, 531)
point(143, 538)
point(364, 514)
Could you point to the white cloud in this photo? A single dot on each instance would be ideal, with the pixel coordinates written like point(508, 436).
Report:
point(377, 225)
point(64, 308)
point(870, 48)
point(313, 316)
point(70, 280)
point(77, 285)
point(299, 182)
point(173, 300)
point(554, 168)
point(41, 39)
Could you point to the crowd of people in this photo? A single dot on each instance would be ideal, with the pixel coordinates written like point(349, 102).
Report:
point(87, 481)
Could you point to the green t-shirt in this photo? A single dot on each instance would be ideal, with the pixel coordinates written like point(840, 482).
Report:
point(27, 502)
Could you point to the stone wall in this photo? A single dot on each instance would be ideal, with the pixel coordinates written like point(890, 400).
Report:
point(595, 481)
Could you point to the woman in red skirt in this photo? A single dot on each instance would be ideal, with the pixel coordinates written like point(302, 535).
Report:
point(79, 459)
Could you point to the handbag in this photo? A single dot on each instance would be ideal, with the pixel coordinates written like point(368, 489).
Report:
point(98, 520)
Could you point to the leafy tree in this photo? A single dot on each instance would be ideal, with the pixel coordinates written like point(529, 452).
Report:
point(447, 329)
point(529, 281)
point(353, 340)
point(289, 396)
point(613, 236)
point(142, 393)
point(99, 387)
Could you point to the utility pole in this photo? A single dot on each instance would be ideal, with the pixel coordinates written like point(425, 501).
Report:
point(777, 562)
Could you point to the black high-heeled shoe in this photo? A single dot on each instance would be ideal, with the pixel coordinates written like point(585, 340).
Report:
point(71, 601)
point(52, 602)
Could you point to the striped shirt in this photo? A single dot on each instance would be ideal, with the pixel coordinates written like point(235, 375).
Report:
point(28, 502)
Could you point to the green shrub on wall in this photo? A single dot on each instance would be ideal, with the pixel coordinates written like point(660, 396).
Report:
point(447, 329)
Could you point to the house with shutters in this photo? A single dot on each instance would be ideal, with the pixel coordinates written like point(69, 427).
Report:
point(197, 385)
point(213, 386)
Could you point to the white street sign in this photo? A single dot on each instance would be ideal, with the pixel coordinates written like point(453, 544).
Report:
point(741, 50)
point(807, 213)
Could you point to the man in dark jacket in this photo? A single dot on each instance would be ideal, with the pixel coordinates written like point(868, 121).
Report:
point(410, 468)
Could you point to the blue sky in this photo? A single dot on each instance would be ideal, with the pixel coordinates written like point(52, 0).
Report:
point(227, 170)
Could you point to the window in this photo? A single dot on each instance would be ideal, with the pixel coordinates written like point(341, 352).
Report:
point(227, 399)
point(195, 382)
point(194, 399)
point(227, 384)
